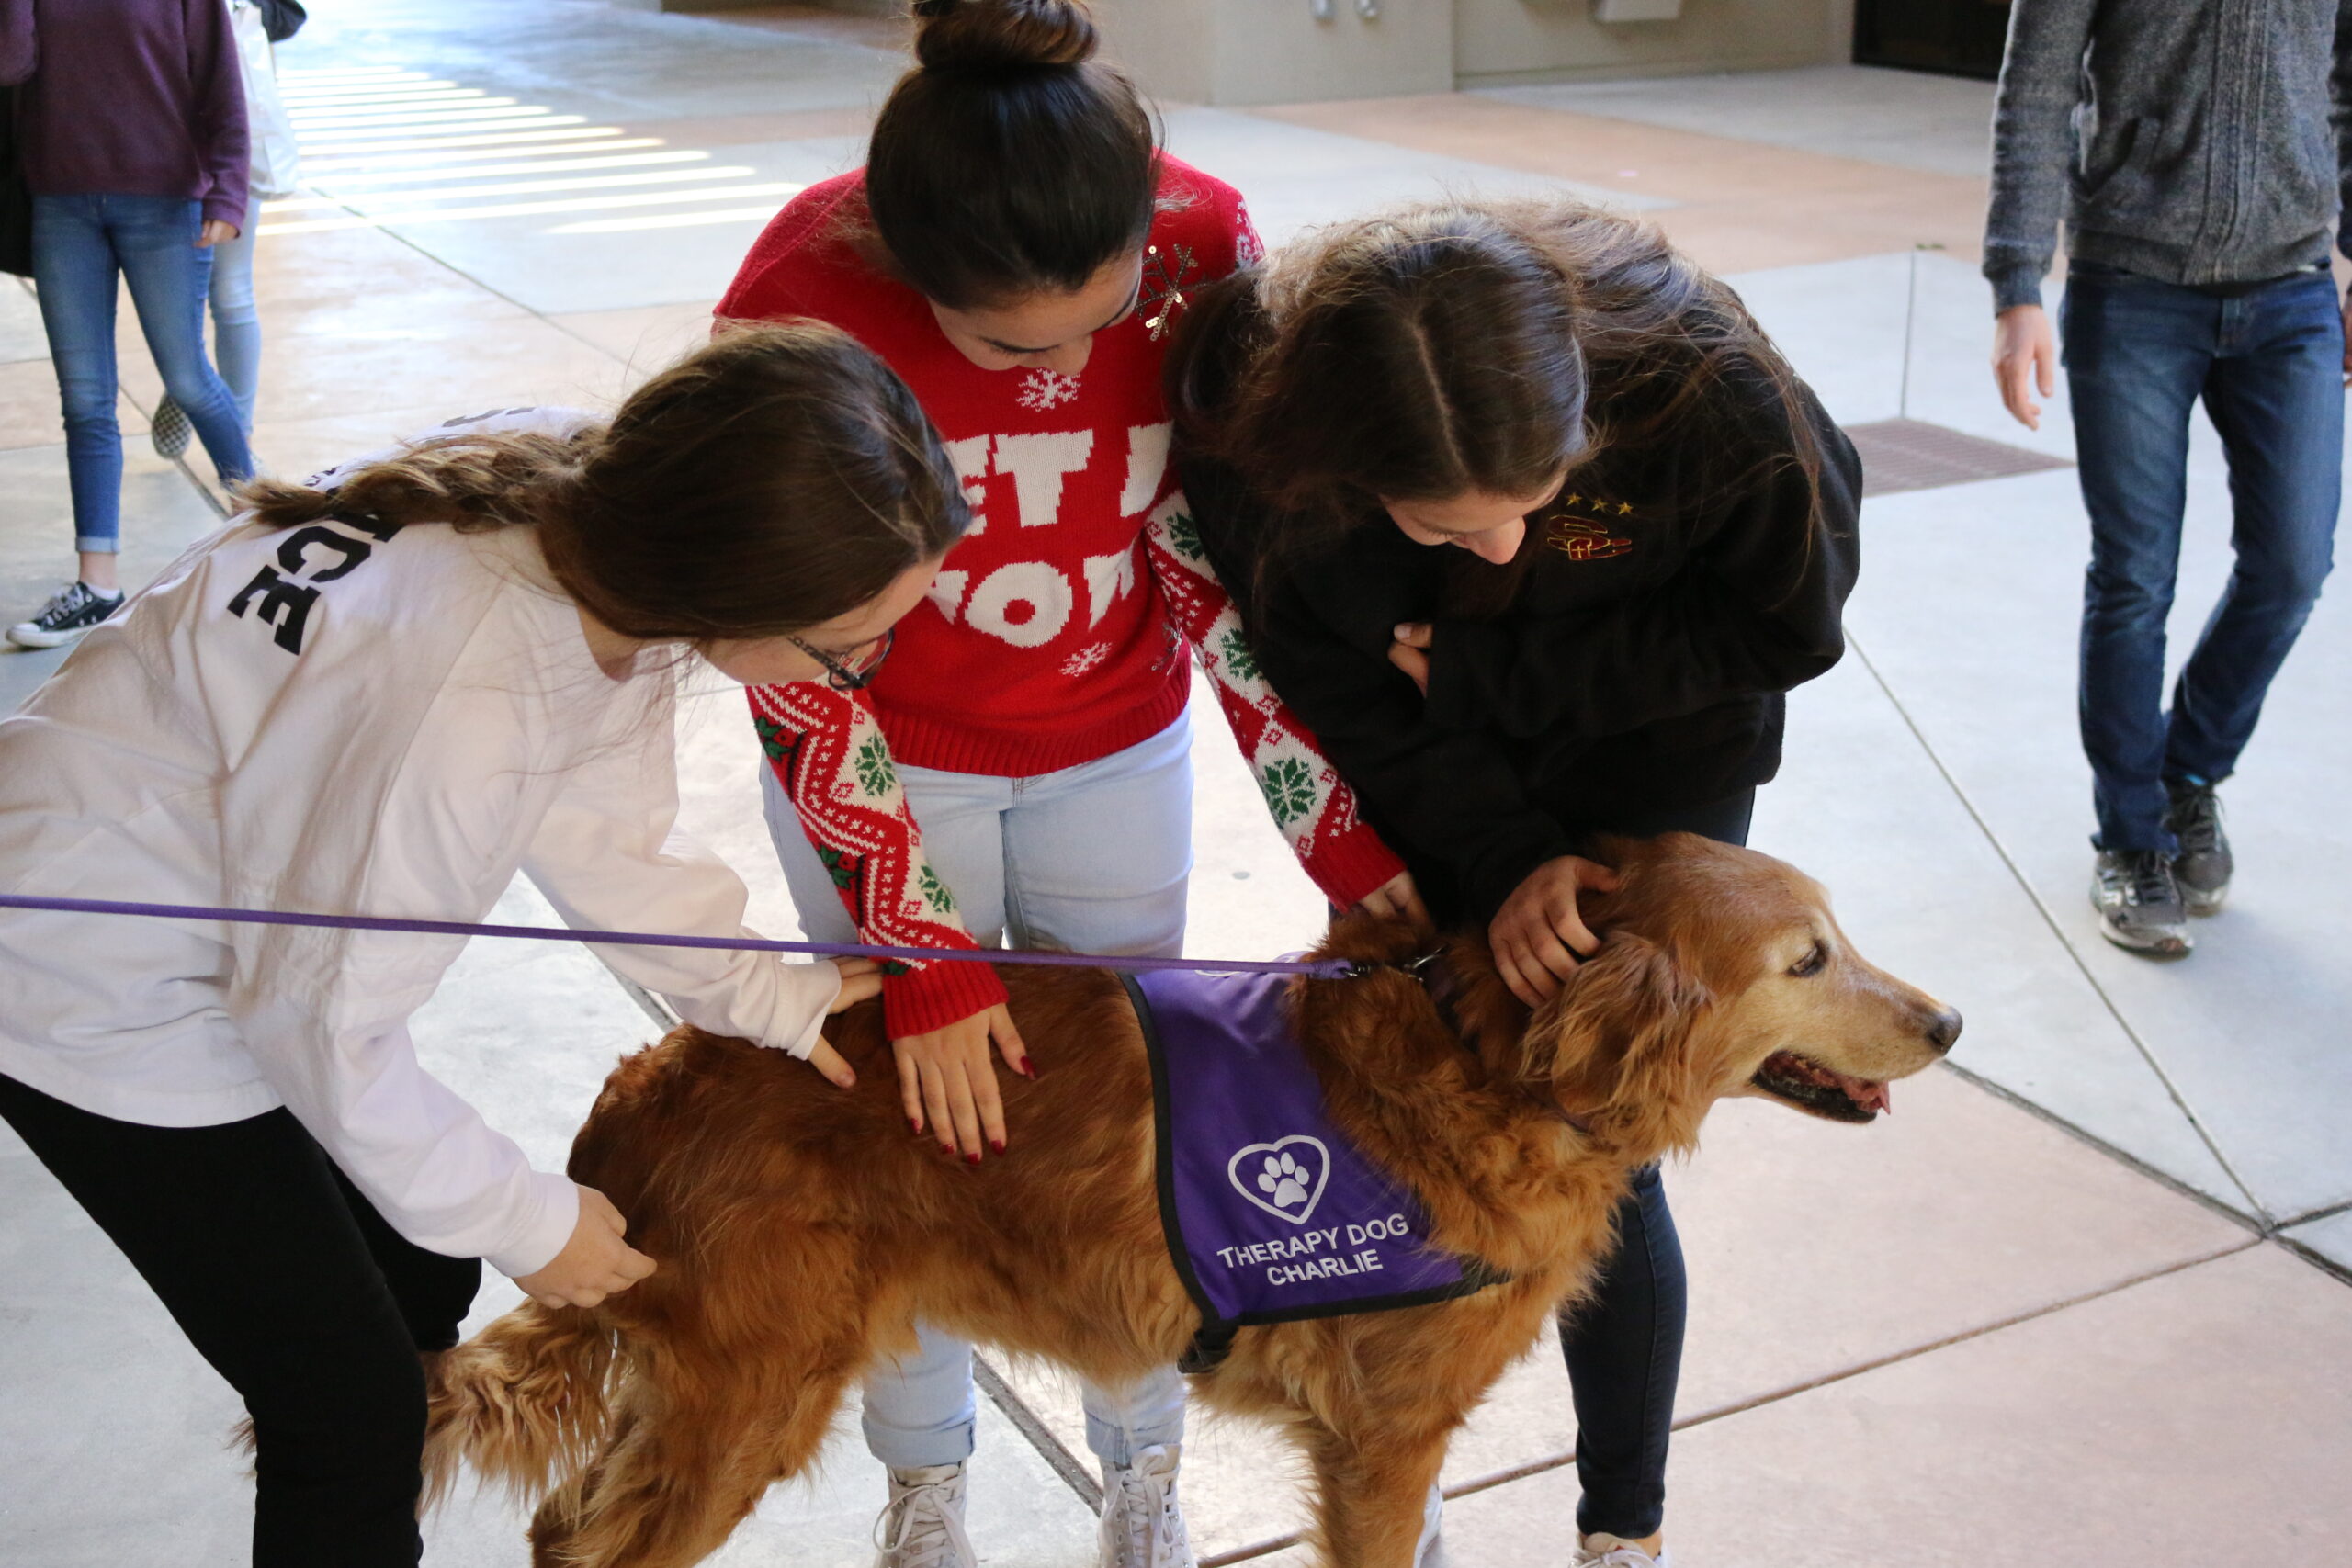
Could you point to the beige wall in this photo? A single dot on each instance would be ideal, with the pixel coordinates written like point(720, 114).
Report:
point(1272, 52)
point(1505, 40)
point(1258, 51)
point(1275, 51)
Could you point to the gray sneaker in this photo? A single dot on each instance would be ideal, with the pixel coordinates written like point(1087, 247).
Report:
point(2204, 866)
point(2139, 903)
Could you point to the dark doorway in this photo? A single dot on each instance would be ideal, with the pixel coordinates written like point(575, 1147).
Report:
point(1957, 38)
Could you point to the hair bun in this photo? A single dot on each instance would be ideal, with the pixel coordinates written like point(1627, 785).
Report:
point(999, 35)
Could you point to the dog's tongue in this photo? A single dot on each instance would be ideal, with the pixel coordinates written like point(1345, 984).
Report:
point(1871, 1096)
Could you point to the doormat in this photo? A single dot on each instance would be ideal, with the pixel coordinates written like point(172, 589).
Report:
point(1911, 454)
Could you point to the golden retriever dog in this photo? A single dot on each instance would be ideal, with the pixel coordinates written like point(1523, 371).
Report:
point(801, 1231)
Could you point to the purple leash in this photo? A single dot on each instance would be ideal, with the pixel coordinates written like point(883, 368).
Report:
point(1322, 968)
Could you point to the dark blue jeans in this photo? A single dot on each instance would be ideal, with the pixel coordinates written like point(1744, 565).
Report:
point(80, 244)
point(1623, 1346)
point(2269, 364)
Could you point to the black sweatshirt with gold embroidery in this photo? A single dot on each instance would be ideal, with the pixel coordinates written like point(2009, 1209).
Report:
point(1638, 668)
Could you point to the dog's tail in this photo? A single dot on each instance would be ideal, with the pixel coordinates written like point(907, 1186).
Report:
point(525, 1402)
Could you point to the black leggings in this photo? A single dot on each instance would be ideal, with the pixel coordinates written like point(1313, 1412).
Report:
point(1624, 1346)
point(291, 1285)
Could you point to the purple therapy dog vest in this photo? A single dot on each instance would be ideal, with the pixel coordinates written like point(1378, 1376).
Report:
point(1272, 1213)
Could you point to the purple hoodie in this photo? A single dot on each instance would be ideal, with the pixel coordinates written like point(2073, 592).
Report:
point(129, 97)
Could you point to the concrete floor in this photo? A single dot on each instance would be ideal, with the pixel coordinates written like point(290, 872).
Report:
point(2067, 1307)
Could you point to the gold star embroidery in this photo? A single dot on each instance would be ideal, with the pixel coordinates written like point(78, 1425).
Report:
point(1624, 507)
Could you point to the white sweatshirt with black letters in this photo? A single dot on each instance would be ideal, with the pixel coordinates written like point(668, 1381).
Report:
point(348, 719)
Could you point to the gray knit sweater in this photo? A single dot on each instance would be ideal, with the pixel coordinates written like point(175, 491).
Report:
point(2197, 141)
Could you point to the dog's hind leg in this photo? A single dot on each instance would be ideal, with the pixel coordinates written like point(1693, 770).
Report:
point(695, 1449)
point(721, 1403)
point(1371, 1488)
point(558, 1515)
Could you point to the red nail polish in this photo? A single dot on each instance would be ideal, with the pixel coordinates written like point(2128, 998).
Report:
point(997, 1144)
point(971, 1159)
point(914, 1126)
point(1028, 1068)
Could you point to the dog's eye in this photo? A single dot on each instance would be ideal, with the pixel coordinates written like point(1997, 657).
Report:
point(1816, 959)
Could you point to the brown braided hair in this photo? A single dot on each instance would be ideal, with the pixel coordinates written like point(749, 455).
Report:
point(773, 479)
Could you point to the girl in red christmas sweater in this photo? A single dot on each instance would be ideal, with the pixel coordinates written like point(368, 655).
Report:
point(1018, 249)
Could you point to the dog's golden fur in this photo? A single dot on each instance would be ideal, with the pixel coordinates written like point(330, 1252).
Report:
point(801, 1231)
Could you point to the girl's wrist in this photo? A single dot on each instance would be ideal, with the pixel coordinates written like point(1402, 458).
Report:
point(917, 1001)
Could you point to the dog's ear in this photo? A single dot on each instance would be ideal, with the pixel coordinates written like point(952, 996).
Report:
point(1616, 1041)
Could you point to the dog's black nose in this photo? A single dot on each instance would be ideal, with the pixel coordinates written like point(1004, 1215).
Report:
point(1943, 1029)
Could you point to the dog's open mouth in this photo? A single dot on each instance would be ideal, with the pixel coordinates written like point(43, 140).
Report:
point(1809, 1086)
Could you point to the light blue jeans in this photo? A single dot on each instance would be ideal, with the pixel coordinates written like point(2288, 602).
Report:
point(1094, 859)
point(236, 322)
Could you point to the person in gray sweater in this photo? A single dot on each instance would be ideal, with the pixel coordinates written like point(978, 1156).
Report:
point(2196, 151)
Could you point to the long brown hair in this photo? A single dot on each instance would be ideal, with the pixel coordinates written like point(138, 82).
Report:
point(1010, 161)
point(771, 480)
point(1450, 347)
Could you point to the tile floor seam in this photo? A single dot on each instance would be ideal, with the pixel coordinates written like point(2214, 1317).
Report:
point(2123, 1155)
point(2014, 1320)
point(2325, 1212)
point(490, 289)
point(1561, 1461)
point(2049, 919)
point(2315, 1257)
point(1050, 1448)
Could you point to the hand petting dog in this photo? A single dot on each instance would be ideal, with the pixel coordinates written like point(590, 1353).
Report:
point(860, 979)
point(947, 1082)
point(1538, 936)
point(593, 1264)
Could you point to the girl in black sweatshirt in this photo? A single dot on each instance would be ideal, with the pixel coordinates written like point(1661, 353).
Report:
point(1533, 526)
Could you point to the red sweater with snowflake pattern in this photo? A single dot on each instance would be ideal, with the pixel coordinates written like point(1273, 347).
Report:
point(1055, 634)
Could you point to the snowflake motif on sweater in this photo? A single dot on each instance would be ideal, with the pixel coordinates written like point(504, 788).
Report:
point(828, 751)
point(1167, 271)
point(1047, 389)
point(1085, 659)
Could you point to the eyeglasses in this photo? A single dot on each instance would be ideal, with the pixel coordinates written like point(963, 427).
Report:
point(852, 674)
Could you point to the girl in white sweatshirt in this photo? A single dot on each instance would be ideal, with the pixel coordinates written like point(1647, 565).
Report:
point(385, 692)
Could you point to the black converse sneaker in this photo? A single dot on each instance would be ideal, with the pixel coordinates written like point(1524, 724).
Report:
point(68, 613)
point(2139, 903)
point(2204, 866)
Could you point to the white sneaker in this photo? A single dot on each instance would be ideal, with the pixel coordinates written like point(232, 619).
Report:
point(1605, 1550)
point(923, 1525)
point(1433, 1521)
point(1143, 1526)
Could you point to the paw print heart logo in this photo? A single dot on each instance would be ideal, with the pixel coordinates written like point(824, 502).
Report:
point(1285, 1178)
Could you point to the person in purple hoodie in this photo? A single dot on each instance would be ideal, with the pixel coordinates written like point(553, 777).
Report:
point(132, 124)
